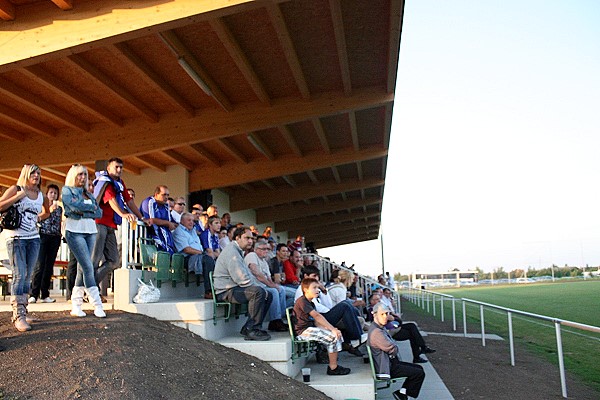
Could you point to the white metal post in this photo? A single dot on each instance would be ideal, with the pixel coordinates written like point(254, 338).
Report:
point(442, 308)
point(464, 305)
point(511, 339)
point(433, 304)
point(124, 243)
point(453, 314)
point(482, 325)
point(561, 361)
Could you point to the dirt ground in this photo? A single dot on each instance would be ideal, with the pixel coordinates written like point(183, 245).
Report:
point(473, 372)
point(130, 356)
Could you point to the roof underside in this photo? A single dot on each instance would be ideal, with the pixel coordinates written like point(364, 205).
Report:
point(284, 105)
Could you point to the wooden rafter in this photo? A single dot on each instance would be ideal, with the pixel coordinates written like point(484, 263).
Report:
point(150, 163)
point(368, 230)
point(41, 76)
point(232, 150)
point(284, 212)
point(124, 53)
point(240, 59)
point(336, 174)
point(181, 51)
point(287, 135)
point(246, 187)
point(268, 184)
point(132, 169)
point(11, 91)
point(321, 134)
point(26, 122)
point(235, 173)
point(178, 159)
point(260, 145)
point(341, 228)
point(12, 135)
point(289, 180)
point(354, 130)
point(7, 10)
point(265, 198)
point(288, 48)
point(205, 154)
point(388, 124)
point(340, 41)
point(103, 79)
point(312, 177)
point(47, 175)
point(396, 17)
point(336, 242)
point(299, 223)
point(64, 5)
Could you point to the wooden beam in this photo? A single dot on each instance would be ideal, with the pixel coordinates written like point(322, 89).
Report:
point(11, 134)
point(40, 36)
point(287, 135)
point(132, 169)
point(353, 130)
point(288, 48)
point(287, 211)
point(321, 134)
point(174, 44)
point(342, 229)
point(64, 5)
point(239, 58)
point(55, 171)
point(370, 229)
point(268, 184)
point(340, 42)
point(337, 242)
point(150, 163)
point(395, 30)
point(47, 175)
point(233, 174)
point(313, 177)
point(265, 198)
point(257, 142)
point(303, 223)
point(205, 154)
point(289, 180)
point(178, 159)
point(232, 150)
point(41, 76)
point(103, 79)
point(7, 182)
point(26, 122)
point(7, 10)
point(124, 53)
point(387, 129)
point(246, 187)
point(104, 141)
point(336, 174)
point(16, 94)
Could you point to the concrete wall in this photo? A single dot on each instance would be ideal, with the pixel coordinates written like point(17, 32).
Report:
point(176, 178)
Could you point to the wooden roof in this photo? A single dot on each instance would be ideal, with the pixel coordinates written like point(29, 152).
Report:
point(284, 105)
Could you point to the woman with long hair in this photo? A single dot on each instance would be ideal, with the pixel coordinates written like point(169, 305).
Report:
point(23, 243)
point(81, 209)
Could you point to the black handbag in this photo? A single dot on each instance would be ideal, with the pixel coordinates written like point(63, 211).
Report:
point(10, 218)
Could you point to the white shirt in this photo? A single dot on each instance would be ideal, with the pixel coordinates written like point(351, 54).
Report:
point(322, 304)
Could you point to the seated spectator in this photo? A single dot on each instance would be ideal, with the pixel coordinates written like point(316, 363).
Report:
point(268, 233)
point(342, 315)
point(212, 211)
point(233, 283)
point(257, 264)
point(277, 271)
point(156, 210)
point(198, 225)
point(226, 221)
point(298, 244)
point(188, 244)
point(339, 290)
point(210, 237)
point(386, 357)
point(178, 209)
point(223, 238)
point(311, 325)
point(292, 268)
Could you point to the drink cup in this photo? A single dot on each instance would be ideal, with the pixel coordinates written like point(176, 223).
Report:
point(366, 359)
point(306, 374)
point(277, 278)
point(133, 224)
point(282, 277)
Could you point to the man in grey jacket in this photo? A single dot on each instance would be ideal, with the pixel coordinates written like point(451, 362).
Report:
point(234, 283)
point(387, 360)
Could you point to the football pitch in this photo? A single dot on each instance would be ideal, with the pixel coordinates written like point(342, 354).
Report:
point(576, 301)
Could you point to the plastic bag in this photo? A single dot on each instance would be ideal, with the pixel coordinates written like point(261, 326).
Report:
point(146, 293)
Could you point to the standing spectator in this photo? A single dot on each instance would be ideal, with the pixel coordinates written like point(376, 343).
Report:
point(178, 209)
point(298, 244)
point(81, 209)
point(390, 280)
point(116, 204)
point(156, 212)
point(49, 244)
point(212, 211)
point(387, 359)
point(23, 243)
point(233, 283)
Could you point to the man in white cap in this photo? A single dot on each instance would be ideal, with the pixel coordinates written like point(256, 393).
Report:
point(387, 359)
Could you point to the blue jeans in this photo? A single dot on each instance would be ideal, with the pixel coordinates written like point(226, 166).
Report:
point(22, 254)
point(82, 245)
point(277, 308)
point(44, 268)
point(347, 314)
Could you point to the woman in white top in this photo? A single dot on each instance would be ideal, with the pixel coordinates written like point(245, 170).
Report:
point(81, 209)
point(23, 243)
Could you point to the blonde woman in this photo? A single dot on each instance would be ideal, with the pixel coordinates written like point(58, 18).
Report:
point(338, 292)
point(81, 209)
point(23, 243)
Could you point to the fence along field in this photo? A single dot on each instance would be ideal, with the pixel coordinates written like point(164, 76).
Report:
point(577, 301)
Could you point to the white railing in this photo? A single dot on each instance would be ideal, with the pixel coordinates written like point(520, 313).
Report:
point(130, 254)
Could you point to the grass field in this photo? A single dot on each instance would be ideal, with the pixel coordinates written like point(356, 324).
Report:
point(577, 301)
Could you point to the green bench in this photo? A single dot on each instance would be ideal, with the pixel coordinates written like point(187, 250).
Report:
point(300, 347)
point(238, 309)
point(168, 267)
point(377, 382)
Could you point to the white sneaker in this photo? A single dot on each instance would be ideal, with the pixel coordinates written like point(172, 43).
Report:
point(32, 300)
point(48, 300)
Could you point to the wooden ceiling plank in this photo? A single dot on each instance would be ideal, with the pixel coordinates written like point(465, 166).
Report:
point(303, 223)
point(233, 174)
point(150, 163)
point(387, 129)
point(105, 141)
point(246, 187)
point(239, 58)
point(336, 174)
point(260, 145)
point(7, 10)
point(289, 180)
point(288, 211)
point(180, 51)
point(313, 177)
point(54, 171)
point(12, 135)
point(321, 134)
point(205, 154)
point(368, 231)
point(132, 169)
point(64, 5)
point(266, 197)
point(353, 130)
point(39, 75)
point(359, 170)
point(341, 229)
point(103, 79)
point(268, 184)
point(178, 159)
point(232, 150)
point(340, 41)
point(13, 92)
point(288, 48)
point(287, 135)
point(337, 242)
point(124, 53)
point(395, 30)
point(26, 122)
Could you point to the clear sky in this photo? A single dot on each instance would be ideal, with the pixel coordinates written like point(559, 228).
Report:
point(495, 143)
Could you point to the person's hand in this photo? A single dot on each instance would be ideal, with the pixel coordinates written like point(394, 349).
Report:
point(130, 217)
point(359, 303)
point(337, 333)
point(172, 226)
